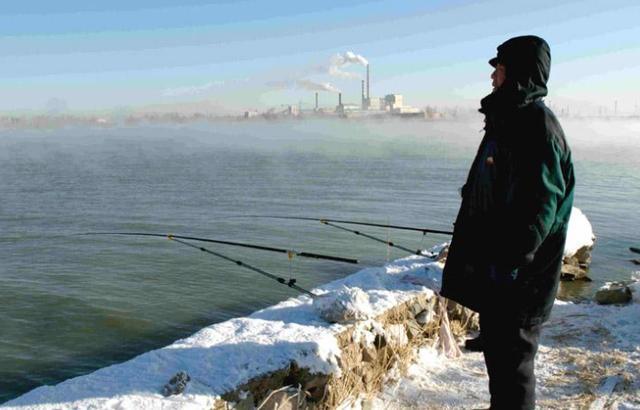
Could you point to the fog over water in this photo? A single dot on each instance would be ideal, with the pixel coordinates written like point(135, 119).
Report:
point(72, 304)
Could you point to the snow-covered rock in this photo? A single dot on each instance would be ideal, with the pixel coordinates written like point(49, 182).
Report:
point(578, 247)
point(580, 233)
point(346, 305)
point(613, 293)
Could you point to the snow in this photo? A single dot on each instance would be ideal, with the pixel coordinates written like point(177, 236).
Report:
point(580, 346)
point(635, 287)
point(225, 355)
point(580, 232)
point(344, 305)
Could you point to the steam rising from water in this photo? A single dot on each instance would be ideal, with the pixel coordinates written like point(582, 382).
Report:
point(188, 178)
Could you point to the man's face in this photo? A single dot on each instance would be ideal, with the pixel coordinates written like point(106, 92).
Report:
point(498, 76)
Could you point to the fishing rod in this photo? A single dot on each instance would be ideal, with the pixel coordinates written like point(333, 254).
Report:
point(331, 222)
point(406, 228)
point(289, 253)
point(389, 243)
point(290, 282)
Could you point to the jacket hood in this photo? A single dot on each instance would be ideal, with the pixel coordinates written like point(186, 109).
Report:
point(528, 63)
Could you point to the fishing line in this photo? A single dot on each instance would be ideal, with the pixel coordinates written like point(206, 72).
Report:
point(290, 283)
point(407, 228)
point(388, 240)
point(421, 244)
point(374, 238)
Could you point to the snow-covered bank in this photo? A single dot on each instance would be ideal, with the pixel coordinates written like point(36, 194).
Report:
point(580, 346)
point(223, 357)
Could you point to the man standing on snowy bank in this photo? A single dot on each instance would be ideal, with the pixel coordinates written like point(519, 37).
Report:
point(505, 256)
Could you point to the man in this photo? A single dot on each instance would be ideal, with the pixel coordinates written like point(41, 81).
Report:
point(506, 252)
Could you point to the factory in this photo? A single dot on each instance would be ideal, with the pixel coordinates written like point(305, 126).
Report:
point(391, 104)
point(373, 107)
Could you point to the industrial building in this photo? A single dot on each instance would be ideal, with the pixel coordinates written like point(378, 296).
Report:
point(390, 104)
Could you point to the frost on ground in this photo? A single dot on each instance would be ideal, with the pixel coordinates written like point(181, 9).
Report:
point(580, 346)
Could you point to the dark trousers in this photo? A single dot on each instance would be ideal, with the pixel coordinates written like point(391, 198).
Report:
point(509, 353)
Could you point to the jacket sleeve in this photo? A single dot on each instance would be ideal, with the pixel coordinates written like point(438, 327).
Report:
point(534, 192)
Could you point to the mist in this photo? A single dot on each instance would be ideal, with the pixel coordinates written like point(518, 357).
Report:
point(598, 140)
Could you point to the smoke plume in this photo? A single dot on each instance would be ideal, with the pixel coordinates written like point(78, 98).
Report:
point(340, 61)
point(349, 58)
point(304, 85)
point(313, 86)
point(335, 69)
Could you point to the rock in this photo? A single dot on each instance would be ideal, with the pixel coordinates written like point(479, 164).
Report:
point(636, 261)
point(176, 385)
point(576, 266)
point(425, 317)
point(285, 399)
point(583, 255)
point(380, 342)
point(578, 247)
point(579, 235)
point(346, 305)
point(464, 315)
point(570, 272)
point(369, 354)
point(315, 386)
point(367, 404)
point(246, 402)
point(397, 335)
point(613, 293)
point(635, 289)
point(604, 391)
point(413, 329)
point(367, 378)
point(416, 308)
point(442, 255)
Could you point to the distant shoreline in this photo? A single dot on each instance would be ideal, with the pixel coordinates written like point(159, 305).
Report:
point(47, 122)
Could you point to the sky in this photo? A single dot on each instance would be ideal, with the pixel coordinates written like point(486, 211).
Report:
point(230, 56)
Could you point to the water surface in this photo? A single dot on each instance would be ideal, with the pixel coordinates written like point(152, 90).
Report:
point(72, 304)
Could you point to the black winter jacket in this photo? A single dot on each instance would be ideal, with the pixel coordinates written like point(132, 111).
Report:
point(508, 242)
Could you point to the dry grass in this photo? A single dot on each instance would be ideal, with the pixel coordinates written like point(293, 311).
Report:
point(367, 379)
point(364, 368)
point(583, 370)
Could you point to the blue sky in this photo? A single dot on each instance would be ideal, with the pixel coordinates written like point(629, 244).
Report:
point(238, 55)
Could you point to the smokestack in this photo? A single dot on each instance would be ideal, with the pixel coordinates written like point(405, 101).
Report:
point(339, 98)
point(316, 101)
point(363, 98)
point(368, 82)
